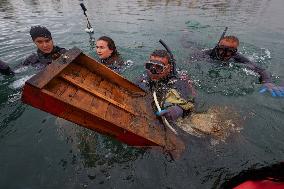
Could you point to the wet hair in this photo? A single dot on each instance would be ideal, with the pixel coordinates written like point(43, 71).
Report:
point(161, 53)
point(110, 44)
point(231, 39)
point(40, 31)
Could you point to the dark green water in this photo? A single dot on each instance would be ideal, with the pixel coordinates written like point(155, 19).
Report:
point(37, 150)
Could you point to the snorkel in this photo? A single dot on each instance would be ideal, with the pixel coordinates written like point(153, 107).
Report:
point(214, 52)
point(172, 74)
point(172, 59)
point(223, 35)
point(89, 28)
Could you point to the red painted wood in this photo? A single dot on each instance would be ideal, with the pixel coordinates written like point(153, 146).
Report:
point(40, 100)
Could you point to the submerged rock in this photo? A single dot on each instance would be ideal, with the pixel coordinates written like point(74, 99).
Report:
point(218, 122)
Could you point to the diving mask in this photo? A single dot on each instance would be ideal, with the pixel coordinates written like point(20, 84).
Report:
point(155, 67)
point(224, 50)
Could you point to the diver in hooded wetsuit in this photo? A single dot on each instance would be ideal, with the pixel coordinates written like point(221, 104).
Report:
point(46, 51)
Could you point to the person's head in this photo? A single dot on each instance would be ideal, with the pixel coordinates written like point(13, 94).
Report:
point(227, 47)
point(41, 36)
point(159, 66)
point(105, 47)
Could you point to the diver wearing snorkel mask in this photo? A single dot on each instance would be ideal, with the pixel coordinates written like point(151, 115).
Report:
point(174, 91)
point(227, 49)
point(159, 66)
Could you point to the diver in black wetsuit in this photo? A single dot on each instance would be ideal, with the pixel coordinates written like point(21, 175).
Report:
point(227, 49)
point(46, 51)
point(175, 92)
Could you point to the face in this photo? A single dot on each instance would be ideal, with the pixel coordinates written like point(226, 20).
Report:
point(102, 49)
point(44, 44)
point(227, 49)
point(160, 71)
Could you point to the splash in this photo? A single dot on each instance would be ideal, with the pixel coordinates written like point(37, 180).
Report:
point(20, 82)
point(15, 97)
point(21, 69)
point(258, 55)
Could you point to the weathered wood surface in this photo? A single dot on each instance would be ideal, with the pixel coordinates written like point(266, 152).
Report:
point(79, 89)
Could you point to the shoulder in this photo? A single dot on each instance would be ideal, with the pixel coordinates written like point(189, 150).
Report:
point(208, 51)
point(241, 58)
point(211, 53)
point(31, 59)
point(60, 50)
point(185, 85)
point(117, 60)
point(142, 81)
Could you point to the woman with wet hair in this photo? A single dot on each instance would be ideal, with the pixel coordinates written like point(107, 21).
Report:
point(108, 54)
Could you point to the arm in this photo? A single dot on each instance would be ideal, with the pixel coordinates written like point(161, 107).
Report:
point(180, 100)
point(265, 77)
point(30, 60)
point(5, 69)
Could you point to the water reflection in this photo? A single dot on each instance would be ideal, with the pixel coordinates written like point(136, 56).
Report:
point(7, 8)
point(136, 27)
point(13, 112)
point(96, 150)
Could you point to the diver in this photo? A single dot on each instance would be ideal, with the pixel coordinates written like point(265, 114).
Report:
point(175, 93)
point(227, 49)
point(178, 101)
point(108, 54)
point(46, 51)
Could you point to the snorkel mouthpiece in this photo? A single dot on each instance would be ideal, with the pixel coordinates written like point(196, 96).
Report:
point(153, 70)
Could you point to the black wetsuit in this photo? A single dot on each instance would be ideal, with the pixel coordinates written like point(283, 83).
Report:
point(5, 69)
point(114, 62)
point(38, 60)
point(182, 84)
point(41, 60)
point(265, 77)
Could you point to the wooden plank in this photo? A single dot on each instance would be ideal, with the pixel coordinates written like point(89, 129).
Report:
point(72, 70)
point(68, 94)
point(96, 93)
point(117, 117)
point(83, 99)
point(119, 95)
point(99, 106)
point(53, 69)
point(110, 75)
point(106, 89)
point(84, 73)
point(57, 86)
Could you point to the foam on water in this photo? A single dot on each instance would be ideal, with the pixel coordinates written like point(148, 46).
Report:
point(21, 69)
point(20, 82)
